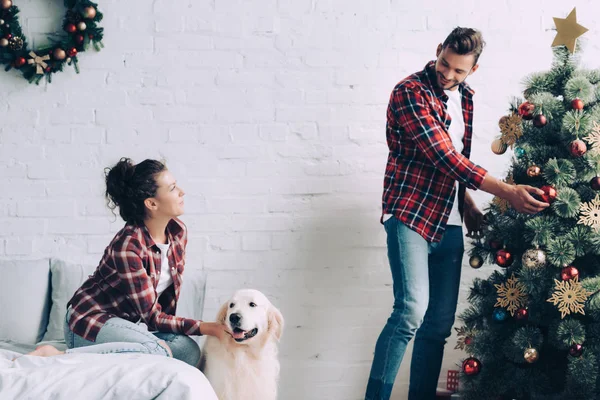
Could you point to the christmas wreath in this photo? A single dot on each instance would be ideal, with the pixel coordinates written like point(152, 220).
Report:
point(80, 30)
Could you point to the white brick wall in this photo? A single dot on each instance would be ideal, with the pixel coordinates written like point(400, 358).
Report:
point(271, 114)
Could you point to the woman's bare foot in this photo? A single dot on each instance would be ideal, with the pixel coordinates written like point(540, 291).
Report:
point(45, 351)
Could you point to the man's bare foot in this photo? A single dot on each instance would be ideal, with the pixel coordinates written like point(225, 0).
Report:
point(45, 351)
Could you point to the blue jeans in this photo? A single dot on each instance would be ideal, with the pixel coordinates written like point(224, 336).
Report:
point(118, 335)
point(426, 280)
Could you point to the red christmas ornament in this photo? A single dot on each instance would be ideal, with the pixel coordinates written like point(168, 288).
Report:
point(577, 104)
point(568, 273)
point(8, 36)
point(71, 28)
point(576, 350)
point(20, 61)
point(468, 340)
point(595, 183)
point(72, 52)
point(471, 366)
point(504, 258)
point(540, 121)
point(578, 148)
point(526, 110)
point(79, 38)
point(495, 244)
point(522, 314)
point(549, 194)
point(48, 69)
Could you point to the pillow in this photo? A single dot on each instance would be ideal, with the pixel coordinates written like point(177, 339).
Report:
point(24, 300)
point(68, 277)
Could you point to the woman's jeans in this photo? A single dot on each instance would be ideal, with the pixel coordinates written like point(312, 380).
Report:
point(426, 280)
point(118, 335)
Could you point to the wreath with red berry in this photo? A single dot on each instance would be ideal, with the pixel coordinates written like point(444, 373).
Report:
point(80, 31)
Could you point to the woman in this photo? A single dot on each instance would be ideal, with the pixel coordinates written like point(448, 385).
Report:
point(139, 277)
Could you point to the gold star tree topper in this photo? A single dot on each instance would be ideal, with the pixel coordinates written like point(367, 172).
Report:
point(568, 30)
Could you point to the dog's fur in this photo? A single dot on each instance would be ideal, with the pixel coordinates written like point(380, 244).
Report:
point(247, 368)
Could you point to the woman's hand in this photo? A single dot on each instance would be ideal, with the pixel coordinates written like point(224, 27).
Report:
point(214, 329)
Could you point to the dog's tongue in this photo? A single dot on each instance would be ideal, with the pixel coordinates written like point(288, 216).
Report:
point(238, 334)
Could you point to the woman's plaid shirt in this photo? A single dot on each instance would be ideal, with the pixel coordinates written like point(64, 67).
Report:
point(423, 165)
point(124, 284)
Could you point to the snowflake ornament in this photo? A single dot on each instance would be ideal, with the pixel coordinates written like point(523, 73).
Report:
point(511, 129)
point(511, 295)
point(590, 213)
point(570, 296)
point(464, 337)
point(593, 139)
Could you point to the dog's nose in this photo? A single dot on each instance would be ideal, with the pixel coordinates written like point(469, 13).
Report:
point(235, 318)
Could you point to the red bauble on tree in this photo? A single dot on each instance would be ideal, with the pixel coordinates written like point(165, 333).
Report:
point(71, 28)
point(549, 194)
point(595, 183)
point(576, 350)
point(577, 104)
point(471, 366)
point(578, 148)
point(72, 52)
point(522, 314)
point(20, 61)
point(540, 121)
point(526, 110)
point(504, 258)
point(568, 273)
point(79, 39)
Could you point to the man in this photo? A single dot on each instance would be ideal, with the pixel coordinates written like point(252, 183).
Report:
point(429, 130)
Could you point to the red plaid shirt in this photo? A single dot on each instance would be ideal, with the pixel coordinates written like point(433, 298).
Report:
point(423, 165)
point(124, 284)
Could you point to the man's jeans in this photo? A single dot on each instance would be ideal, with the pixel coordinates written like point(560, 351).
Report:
point(426, 283)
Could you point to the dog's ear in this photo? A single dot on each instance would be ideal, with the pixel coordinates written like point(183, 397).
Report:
point(222, 314)
point(275, 322)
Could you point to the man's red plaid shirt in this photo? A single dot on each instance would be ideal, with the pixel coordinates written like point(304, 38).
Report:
point(124, 284)
point(423, 165)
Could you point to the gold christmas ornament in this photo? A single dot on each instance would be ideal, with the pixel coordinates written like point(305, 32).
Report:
point(568, 30)
point(15, 43)
point(89, 12)
point(534, 259)
point(534, 171)
point(6, 4)
point(511, 295)
point(511, 129)
point(59, 54)
point(570, 296)
point(590, 213)
point(82, 26)
point(475, 262)
point(3, 42)
point(531, 355)
point(499, 147)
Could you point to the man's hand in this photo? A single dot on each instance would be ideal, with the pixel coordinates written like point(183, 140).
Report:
point(521, 200)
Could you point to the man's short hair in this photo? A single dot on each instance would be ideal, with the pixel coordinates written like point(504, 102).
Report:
point(465, 41)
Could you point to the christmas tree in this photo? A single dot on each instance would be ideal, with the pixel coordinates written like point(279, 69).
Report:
point(533, 328)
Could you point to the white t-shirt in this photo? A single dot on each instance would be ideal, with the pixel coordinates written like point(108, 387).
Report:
point(165, 272)
point(457, 133)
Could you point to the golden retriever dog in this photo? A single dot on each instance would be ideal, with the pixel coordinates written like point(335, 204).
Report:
point(245, 366)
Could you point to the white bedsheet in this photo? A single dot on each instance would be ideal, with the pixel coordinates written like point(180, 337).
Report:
point(126, 376)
